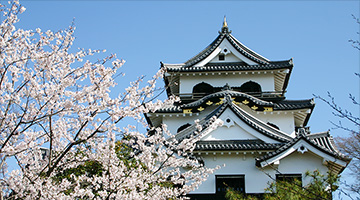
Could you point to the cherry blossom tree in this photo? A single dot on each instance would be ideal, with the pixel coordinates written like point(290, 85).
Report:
point(57, 115)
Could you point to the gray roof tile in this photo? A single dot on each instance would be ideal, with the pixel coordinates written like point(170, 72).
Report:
point(218, 145)
point(230, 66)
point(294, 104)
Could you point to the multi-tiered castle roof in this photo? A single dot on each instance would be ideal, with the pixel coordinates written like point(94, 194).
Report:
point(229, 81)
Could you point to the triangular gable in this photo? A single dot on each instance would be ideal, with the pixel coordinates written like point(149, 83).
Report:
point(234, 132)
point(301, 145)
point(251, 124)
point(225, 39)
point(234, 129)
point(231, 55)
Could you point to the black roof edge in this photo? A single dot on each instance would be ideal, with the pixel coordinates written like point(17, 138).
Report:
point(185, 69)
point(166, 81)
point(288, 75)
point(249, 53)
point(309, 115)
point(168, 90)
point(148, 119)
point(292, 143)
point(216, 112)
point(195, 59)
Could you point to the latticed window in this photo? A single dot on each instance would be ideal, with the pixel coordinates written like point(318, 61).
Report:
point(289, 177)
point(236, 182)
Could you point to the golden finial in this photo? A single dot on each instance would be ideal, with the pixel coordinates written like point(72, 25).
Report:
point(225, 28)
point(225, 23)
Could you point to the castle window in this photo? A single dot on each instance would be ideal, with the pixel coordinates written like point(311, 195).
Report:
point(251, 87)
point(203, 88)
point(183, 127)
point(221, 57)
point(291, 178)
point(236, 182)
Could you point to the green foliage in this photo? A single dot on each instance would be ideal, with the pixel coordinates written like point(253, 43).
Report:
point(90, 168)
point(123, 152)
point(235, 195)
point(93, 168)
point(320, 188)
point(287, 190)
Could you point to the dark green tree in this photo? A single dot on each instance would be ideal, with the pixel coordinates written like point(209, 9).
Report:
point(320, 187)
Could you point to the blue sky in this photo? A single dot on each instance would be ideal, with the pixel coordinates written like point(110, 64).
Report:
point(314, 33)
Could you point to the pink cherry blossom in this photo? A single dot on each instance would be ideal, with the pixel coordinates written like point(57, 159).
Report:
point(57, 113)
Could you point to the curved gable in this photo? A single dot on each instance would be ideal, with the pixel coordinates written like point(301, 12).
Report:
point(226, 40)
point(302, 144)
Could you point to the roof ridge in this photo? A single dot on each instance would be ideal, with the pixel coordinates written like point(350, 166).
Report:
point(176, 64)
point(229, 66)
point(212, 45)
point(319, 134)
point(243, 49)
point(295, 100)
point(293, 142)
point(265, 128)
point(248, 50)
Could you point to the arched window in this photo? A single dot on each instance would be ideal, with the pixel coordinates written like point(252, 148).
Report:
point(203, 88)
point(183, 127)
point(273, 125)
point(250, 86)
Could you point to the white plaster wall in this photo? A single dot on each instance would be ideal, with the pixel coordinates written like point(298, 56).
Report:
point(228, 58)
point(256, 180)
point(297, 163)
point(284, 120)
point(232, 133)
point(188, 81)
point(177, 120)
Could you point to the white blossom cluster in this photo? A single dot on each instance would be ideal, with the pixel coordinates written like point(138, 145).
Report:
point(53, 98)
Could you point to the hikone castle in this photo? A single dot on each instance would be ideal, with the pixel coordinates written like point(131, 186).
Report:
point(264, 136)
